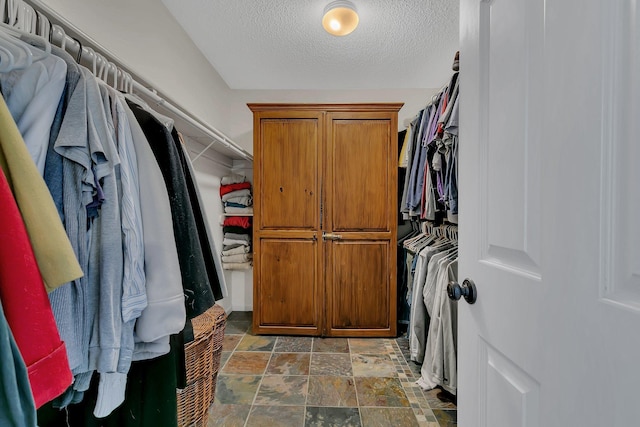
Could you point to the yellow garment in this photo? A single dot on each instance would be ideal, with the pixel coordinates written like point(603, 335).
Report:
point(402, 160)
point(57, 261)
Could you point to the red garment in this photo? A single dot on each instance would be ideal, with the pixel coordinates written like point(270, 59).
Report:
point(224, 189)
point(238, 221)
point(27, 307)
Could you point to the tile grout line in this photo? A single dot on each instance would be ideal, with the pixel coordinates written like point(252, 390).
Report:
point(254, 397)
point(355, 387)
point(306, 398)
point(253, 404)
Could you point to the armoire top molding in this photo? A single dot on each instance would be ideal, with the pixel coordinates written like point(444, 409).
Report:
point(380, 106)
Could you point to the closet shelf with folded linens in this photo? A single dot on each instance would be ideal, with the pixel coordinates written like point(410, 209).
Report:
point(235, 193)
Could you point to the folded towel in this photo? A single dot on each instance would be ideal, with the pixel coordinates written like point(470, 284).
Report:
point(233, 210)
point(240, 237)
point(236, 229)
point(240, 200)
point(237, 258)
point(229, 242)
point(234, 205)
point(226, 247)
point(236, 265)
point(238, 221)
point(232, 179)
point(235, 251)
point(224, 189)
point(237, 193)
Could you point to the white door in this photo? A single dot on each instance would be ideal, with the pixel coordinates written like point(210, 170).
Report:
point(550, 213)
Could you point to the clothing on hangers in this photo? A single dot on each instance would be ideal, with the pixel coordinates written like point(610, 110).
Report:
point(198, 292)
point(56, 259)
point(419, 322)
point(431, 190)
point(439, 364)
point(165, 313)
point(430, 264)
point(27, 309)
point(91, 227)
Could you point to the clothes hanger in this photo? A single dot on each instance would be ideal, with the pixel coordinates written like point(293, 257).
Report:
point(30, 26)
point(6, 60)
point(129, 89)
point(3, 10)
point(43, 27)
point(94, 59)
point(21, 53)
point(24, 17)
point(12, 12)
point(120, 75)
point(113, 67)
point(102, 65)
point(63, 36)
point(126, 81)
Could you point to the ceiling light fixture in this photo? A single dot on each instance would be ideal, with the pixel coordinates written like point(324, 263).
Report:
point(340, 18)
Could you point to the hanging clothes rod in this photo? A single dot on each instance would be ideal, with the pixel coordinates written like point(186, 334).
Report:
point(30, 14)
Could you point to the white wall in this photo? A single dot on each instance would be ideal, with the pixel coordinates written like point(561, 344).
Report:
point(240, 124)
point(149, 41)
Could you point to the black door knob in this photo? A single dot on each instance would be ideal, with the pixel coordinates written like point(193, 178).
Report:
point(467, 290)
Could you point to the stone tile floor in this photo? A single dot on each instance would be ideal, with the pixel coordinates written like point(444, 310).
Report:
point(311, 382)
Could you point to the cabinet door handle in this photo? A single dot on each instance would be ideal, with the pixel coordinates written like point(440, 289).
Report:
point(330, 236)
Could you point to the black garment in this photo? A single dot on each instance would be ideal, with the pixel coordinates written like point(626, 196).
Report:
point(440, 209)
point(195, 279)
point(205, 244)
point(401, 176)
point(236, 230)
point(150, 399)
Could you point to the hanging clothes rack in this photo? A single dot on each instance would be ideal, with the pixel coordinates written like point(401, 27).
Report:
point(30, 15)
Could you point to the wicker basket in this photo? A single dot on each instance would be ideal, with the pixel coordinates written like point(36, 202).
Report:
point(202, 359)
point(218, 338)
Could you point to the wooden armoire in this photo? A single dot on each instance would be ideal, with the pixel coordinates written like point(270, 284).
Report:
point(325, 215)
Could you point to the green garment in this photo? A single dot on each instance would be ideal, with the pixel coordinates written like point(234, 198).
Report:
point(56, 260)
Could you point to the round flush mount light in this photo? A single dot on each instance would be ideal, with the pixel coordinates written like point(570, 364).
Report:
point(340, 18)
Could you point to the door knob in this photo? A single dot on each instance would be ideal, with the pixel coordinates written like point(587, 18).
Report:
point(330, 236)
point(467, 290)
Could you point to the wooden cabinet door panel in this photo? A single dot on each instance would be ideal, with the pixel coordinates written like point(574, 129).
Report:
point(289, 178)
point(358, 287)
point(288, 287)
point(360, 172)
point(360, 153)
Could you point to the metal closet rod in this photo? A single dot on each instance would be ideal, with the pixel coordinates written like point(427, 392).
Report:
point(91, 47)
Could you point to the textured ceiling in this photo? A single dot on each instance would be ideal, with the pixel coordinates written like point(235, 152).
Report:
point(280, 44)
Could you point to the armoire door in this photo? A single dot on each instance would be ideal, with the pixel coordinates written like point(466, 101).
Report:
point(287, 253)
point(359, 223)
point(325, 219)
